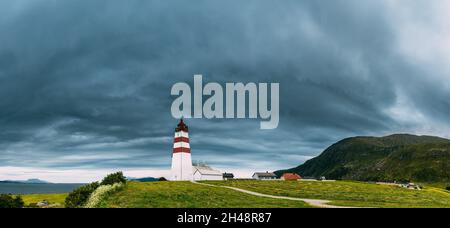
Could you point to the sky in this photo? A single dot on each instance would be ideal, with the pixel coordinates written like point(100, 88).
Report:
point(85, 84)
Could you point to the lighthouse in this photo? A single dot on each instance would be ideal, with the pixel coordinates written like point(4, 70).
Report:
point(181, 155)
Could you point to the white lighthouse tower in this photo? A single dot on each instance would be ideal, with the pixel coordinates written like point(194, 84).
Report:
point(181, 155)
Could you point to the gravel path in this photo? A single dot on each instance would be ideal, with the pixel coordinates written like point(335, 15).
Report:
point(312, 202)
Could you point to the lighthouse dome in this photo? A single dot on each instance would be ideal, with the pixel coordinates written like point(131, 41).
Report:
point(182, 127)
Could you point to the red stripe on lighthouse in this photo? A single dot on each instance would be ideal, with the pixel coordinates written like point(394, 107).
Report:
point(181, 150)
point(181, 139)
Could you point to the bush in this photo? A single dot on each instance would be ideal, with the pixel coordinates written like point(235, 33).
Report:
point(113, 179)
point(162, 179)
point(100, 193)
point(18, 202)
point(79, 196)
point(7, 201)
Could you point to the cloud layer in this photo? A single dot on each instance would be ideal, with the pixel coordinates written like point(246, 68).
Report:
point(86, 84)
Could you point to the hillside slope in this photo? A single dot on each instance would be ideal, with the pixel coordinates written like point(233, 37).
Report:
point(179, 194)
point(390, 158)
point(349, 193)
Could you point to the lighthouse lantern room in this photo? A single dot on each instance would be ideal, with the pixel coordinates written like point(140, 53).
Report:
point(181, 155)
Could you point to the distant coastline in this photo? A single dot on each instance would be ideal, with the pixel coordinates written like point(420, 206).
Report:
point(11, 187)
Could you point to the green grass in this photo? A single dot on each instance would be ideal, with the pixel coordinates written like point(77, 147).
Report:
point(441, 185)
point(56, 199)
point(345, 193)
point(188, 195)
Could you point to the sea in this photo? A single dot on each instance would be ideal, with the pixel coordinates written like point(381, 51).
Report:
point(26, 188)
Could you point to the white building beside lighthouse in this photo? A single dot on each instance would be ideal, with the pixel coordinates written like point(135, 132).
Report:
point(182, 169)
point(205, 172)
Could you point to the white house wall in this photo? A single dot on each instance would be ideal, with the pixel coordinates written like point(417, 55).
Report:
point(199, 177)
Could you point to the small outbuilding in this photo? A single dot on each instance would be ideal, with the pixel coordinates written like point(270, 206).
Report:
point(204, 172)
point(228, 176)
point(264, 176)
point(291, 177)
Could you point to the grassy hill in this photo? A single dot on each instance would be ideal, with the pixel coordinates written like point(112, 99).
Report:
point(349, 193)
point(188, 195)
point(390, 158)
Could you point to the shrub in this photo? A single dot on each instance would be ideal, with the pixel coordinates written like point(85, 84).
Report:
point(100, 193)
point(79, 196)
point(18, 202)
point(113, 179)
point(8, 201)
point(162, 179)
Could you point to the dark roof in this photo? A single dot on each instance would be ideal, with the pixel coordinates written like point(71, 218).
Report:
point(228, 175)
point(182, 127)
point(266, 174)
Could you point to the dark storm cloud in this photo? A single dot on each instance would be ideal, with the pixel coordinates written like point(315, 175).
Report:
point(87, 83)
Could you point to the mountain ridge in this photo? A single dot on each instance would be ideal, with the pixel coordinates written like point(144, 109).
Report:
point(397, 157)
point(29, 181)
